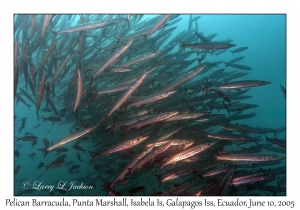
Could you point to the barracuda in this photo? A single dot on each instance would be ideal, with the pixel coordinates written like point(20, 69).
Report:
point(129, 166)
point(248, 157)
point(79, 91)
point(119, 147)
point(151, 155)
point(218, 90)
point(205, 45)
point(187, 153)
point(151, 120)
point(243, 84)
point(90, 26)
point(70, 138)
point(152, 99)
point(251, 179)
point(113, 58)
point(127, 94)
point(59, 70)
point(184, 78)
point(46, 57)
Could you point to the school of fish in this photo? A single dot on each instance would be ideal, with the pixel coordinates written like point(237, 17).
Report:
point(143, 107)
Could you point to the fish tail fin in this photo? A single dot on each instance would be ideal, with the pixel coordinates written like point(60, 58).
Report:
point(126, 128)
point(130, 170)
point(275, 133)
point(204, 133)
point(37, 114)
point(47, 167)
point(54, 33)
point(226, 107)
point(205, 88)
point(116, 27)
point(155, 61)
point(215, 157)
point(70, 171)
point(106, 118)
point(266, 135)
point(214, 122)
point(18, 139)
point(117, 40)
point(17, 101)
point(94, 157)
point(211, 107)
point(199, 60)
point(33, 143)
point(159, 180)
point(181, 45)
point(281, 87)
point(108, 187)
point(128, 24)
point(44, 151)
point(232, 52)
point(95, 92)
point(194, 30)
point(145, 38)
point(161, 166)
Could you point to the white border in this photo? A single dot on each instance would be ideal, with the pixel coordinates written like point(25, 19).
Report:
point(154, 6)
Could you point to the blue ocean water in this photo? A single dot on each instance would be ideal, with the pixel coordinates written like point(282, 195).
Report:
point(264, 35)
